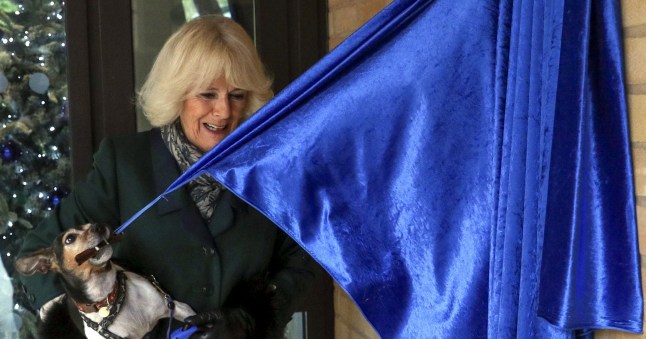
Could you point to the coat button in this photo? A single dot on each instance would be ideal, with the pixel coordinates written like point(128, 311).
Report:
point(206, 290)
point(208, 251)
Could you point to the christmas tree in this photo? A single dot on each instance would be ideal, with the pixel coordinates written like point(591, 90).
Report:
point(34, 135)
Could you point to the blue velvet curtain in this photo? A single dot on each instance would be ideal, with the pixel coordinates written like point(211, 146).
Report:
point(461, 167)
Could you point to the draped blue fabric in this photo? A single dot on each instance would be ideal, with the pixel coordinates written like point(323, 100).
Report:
point(590, 211)
point(460, 167)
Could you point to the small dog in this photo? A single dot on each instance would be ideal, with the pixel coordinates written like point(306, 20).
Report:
point(111, 301)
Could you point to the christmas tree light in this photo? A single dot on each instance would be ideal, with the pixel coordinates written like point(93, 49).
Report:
point(34, 135)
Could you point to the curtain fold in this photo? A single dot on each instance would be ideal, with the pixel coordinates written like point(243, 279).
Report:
point(590, 225)
point(460, 167)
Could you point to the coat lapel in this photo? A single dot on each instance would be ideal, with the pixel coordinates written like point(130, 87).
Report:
point(223, 216)
point(228, 208)
point(165, 171)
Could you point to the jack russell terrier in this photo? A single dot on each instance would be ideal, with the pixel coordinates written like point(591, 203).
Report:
point(113, 302)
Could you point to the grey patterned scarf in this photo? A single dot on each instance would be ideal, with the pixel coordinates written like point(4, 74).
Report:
point(204, 189)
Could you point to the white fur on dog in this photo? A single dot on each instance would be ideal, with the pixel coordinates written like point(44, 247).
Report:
point(135, 322)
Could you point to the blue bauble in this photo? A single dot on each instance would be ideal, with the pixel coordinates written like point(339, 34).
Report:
point(10, 151)
point(4, 83)
point(55, 196)
point(39, 83)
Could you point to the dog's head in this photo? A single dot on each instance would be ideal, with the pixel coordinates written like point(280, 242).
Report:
point(60, 257)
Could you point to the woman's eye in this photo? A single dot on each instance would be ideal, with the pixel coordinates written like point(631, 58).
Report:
point(208, 95)
point(237, 96)
point(70, 239)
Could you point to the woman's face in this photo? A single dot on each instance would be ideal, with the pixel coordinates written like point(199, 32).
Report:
point(212, 114)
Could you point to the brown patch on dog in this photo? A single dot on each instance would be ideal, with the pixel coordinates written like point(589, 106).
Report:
point(60, 256)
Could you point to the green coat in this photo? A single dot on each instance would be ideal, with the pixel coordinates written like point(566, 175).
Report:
point(196, 262)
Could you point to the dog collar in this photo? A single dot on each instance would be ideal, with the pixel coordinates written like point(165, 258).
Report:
point(113, 308)
point(109, 301)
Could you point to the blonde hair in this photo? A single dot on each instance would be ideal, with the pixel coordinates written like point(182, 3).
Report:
point(201, 51)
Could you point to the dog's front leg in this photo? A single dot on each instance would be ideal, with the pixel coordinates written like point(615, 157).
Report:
point(182, 311)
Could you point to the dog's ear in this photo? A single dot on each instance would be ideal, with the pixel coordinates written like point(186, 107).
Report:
point(41, 261)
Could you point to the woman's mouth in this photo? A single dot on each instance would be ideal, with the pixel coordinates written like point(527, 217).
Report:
point(214, 128)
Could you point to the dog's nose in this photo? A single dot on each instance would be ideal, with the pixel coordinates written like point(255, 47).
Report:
point(94, 227)
point(97, 227)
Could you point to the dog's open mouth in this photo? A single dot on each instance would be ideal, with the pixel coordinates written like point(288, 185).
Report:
point(103, 255)
point(101, 251)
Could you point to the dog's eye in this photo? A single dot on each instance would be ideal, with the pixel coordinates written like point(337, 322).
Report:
point(70, 238)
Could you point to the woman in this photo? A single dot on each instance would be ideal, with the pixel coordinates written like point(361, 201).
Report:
point(201, 241)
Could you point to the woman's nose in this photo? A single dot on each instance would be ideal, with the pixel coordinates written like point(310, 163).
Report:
point(222, 108)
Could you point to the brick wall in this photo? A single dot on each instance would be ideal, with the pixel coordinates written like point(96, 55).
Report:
point(634, 22)
point(346, 16)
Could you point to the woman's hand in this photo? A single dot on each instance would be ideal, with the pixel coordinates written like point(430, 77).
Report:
point(248, 313)
point(235, 323)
